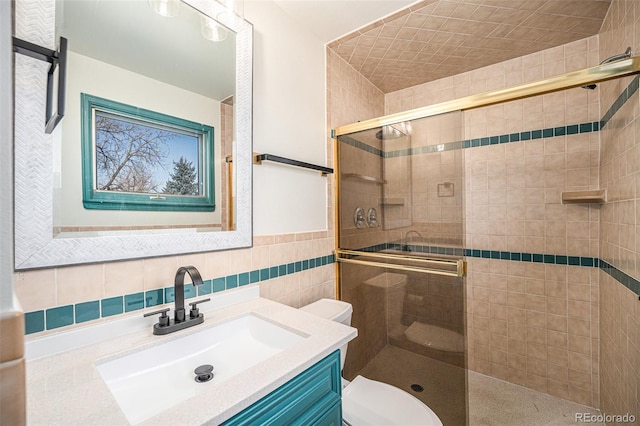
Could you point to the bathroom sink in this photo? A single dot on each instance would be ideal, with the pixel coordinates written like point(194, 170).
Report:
point(148, 382)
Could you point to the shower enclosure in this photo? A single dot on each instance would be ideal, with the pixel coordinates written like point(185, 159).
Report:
point(401, 246)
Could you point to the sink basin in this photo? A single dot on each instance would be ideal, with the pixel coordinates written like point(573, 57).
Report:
point(147, 382)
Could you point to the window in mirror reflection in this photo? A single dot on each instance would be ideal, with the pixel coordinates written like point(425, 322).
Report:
point(136, 159)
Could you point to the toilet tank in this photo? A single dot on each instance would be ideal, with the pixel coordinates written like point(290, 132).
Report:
point(334, 310)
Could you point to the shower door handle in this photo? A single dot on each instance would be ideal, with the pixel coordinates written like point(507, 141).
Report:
point(427, 265)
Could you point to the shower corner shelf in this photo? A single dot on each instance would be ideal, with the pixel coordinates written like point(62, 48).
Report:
point(392, 201)
point(585, 197)
point(364, 178)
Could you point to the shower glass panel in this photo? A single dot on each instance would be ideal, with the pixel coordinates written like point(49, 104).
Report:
point(401, 239)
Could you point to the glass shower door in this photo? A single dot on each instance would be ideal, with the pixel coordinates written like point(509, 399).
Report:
point(401, 239)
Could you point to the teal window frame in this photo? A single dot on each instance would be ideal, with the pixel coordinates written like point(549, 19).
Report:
point(95, 199)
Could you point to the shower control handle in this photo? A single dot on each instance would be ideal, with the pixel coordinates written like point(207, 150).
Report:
point(358, 218)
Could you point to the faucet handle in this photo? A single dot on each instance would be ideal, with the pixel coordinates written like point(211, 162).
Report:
point(163, 320)
point(195, 312)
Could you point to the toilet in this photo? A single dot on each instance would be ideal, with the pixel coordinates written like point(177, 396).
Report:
point(394, 287)
point(368, 402)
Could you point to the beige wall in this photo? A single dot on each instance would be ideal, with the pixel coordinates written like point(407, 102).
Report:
point(620, 221)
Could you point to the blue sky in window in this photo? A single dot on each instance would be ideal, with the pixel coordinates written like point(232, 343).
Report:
point(178, 146)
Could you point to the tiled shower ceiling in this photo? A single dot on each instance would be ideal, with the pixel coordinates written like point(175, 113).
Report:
point(433, 39)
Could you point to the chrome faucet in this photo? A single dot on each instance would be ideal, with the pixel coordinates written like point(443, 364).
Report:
point(180, 320)
point(405, 241)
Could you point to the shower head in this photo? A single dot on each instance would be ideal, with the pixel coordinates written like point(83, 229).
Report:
point(388, 132)
point(614, 58)
point(392, 132)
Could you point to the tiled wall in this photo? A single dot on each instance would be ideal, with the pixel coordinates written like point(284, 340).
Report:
point(351, 98)
point(294, 269)
point(620, 348)
point(437, 169)
point(528, 322)
point(620, 219)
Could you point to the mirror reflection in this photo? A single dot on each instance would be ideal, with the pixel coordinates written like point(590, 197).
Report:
point(154, 150)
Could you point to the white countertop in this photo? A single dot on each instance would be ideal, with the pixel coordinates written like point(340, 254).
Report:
point(67, 389)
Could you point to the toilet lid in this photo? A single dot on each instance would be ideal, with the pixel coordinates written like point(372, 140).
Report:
point(368, 402)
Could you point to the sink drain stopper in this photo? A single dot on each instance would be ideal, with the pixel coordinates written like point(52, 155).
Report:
point(204, 373)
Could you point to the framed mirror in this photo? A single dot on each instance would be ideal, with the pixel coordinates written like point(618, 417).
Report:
point(153, 156)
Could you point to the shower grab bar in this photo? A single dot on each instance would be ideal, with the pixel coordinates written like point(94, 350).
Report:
point(459, 264)
point(259, 158)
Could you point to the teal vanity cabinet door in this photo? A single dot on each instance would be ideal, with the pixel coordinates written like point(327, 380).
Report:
point(333, 417)
point(311, 398)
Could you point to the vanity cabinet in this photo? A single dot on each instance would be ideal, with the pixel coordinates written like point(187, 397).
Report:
point(311, 398)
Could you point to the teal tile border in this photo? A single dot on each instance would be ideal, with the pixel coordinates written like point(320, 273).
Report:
point(361, 145)
point(112, 306)
point(87, 311)
point(205, 288)
point(59, 317)
point(154, 297)
point(626, 94)
point(231, 281)
point(553, 259)
point(544, 258)
point(218, 285)
point(38, 321)
point(623, 278)
point(190, 291)
point(133, 302)
point(550, 132)
point(34, 322)
point(527, 135)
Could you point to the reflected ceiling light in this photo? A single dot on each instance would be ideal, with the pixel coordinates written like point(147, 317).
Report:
point(211, 30)
point(235, 6)
point(166, 8)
